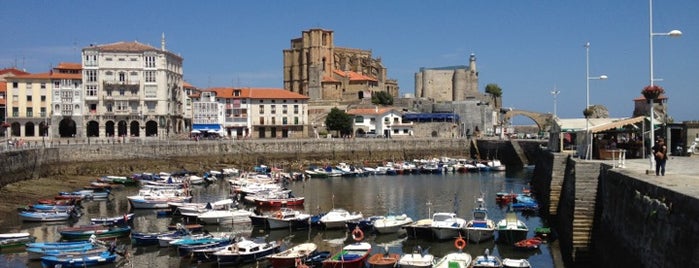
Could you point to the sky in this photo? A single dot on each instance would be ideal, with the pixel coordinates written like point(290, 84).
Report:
point(528, 48)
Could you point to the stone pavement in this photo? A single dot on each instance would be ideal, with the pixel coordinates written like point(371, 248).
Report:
point(681, 173)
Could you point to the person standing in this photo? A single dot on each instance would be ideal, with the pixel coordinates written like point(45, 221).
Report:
point(660, 154)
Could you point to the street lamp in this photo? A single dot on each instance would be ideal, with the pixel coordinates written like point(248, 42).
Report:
point(588, 135)
point(673, 33)
point(555, 93)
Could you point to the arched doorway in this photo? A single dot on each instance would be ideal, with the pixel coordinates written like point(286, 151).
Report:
point(15, 132)
point(43, 129)
point(67, 128)
point(359, 133)
point(151, 128)
point(93, 129)
point(109, 129)
point(135, 129)
point(121, 128)
point(29, 129)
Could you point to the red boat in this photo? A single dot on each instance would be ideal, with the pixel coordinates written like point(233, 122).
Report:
point(279, 202)
point(531, 243)
point(352, 256)
point(69, 197)
point(67, 202)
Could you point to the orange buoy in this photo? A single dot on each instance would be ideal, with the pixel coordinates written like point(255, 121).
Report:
point(460, 243)
point(358, 234)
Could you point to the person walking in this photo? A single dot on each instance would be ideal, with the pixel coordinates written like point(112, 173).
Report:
point(660, 154)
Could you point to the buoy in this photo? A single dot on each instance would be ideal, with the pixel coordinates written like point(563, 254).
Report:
point(460, 243)
point(358, 234)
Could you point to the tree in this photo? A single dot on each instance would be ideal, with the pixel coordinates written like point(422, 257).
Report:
point(495, 91)
point(381, 98)
point(339, 121)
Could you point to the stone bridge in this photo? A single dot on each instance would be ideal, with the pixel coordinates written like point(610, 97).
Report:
point(543, 121)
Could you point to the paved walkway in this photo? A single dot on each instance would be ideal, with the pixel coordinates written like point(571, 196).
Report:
point(681, 173)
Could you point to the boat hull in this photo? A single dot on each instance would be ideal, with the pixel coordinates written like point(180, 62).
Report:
point(381, 260)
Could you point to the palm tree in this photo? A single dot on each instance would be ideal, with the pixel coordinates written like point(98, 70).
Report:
point(495, 91)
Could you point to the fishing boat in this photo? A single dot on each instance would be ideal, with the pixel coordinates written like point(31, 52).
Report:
point(486, 261)
point(446, 225)
point(199, 246)
point(288, 218)
point(351, 256)
point(91, 247)
point(480, 227)
point(511, 229)
point(228, 216)
point(156, 201)
point(15, 240)
point(78, 261)
point(337, 217)
point(144, 239)
point(39, 216)
point(391, 223)
point(515, 263)
point(419, 258)
point(116, 220)
point(529, 243)
point(245, 251)
point(289, 257)
point(99, 231)
point(457, 259)
point(420, 229)
point(383, 260)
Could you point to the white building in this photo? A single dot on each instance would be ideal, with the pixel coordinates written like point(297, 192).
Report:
point(132, 90)
point(386, 122)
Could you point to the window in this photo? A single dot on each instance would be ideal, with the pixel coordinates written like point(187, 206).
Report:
point(274, 120)
point(296, 120)
point(93, 108)
point(91, 75)
point(284, 109)
point(15, 111)
point(43, 98)
point(150, 61)
point(359, 119)
point(122, 77)
point(42, 112)
point(122, 92)
point(43, 86)
point(273, 109)
point(15, 85)
point(29, 98)
point(30, 112)
point(91, 90)
point(56, 84)
point(262, 109)
point(29, 85)
point(150, 76)
point(296, 109)
point(236, 93)
point(108, 59)
point(262, 120)
point(109, 108)
point(284, 121)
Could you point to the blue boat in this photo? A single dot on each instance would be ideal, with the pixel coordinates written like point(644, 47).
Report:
point(58, 245)
point(36, 216)
point(35, 253)
point(525, 203)
point(144, 239)
point(45, 207)
point(78, 261)
point(186, 250)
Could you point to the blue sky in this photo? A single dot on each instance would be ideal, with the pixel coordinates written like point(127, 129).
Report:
point(526, 47)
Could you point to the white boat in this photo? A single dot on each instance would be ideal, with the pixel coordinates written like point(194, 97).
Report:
point(454, 260)
point(515, 263)
point(496, 165)
point(417, 259)
point(391, 223)
point(288, 218)
point(511, 229)
point(245, 251)
point(486, 261)
point(445, 225)
point(337, 217)
point(155, 202)
point(225, 216)
point(229, 172)
point(196, 209)
point(480, 227)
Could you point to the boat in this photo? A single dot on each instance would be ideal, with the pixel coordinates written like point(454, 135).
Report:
point(196, 209)
point(543, 232)
point(144, 239)
point(511, 229)
point(50, 208)
point(529, 243)
point(315, 259)
point(351, 256)
point(445, 225)
point(38, 216)
point(288, 258)
point(245, 251)
point(391, 223)
point(78, 261)
point(289, 219)
point(165, 239)
point(35, 253)
point(225, 216)
point(383, 260)
point(486, 261)
point(278, 198)
point(496, 165)
point(337, 217)
point(523, 202)
point(155, 201)
point(480, 227)
point(99, 231)
point(515, 263)
point(417, 259)
point(116, 220)
point(201, 249)
point(15, 240)
point(457, 259)
point(419, 229)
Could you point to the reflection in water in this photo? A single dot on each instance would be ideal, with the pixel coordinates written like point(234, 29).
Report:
point(415, 195)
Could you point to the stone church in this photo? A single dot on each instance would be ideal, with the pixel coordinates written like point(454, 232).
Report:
point(314, 67)
point(445, 84)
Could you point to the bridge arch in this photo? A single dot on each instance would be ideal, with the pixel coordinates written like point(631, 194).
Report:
point(543, 121)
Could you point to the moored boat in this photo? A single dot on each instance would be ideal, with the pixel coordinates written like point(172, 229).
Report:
point(38, 216)
point(417, 259)
point(486, 261)
point(383, 260)
point(337, 217)
point(116, 220)
point(351, 256)
point(515, 263)
point(288, 258)
point(78, 261)
point(245, 251)
point(15, 240)
point(511, 229)
point(99, 231)
point(446, 225)
point(391, 223)
point(457, 259)
point(288, 218)
point(480, 227)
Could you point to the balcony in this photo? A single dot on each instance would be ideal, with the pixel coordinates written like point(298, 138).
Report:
point(115, 84)
point(128, 97)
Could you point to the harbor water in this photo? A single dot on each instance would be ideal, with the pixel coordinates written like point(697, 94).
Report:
point(418, 196)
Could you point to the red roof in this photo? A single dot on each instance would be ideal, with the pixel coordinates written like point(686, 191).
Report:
point(69, 66)
point(330, 79)
point(13, 71)
point(49, 75)
point(354, 76)
point(256, 93)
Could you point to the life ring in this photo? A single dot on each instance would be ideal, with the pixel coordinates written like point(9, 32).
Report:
point(460, 243)
point(357, 234)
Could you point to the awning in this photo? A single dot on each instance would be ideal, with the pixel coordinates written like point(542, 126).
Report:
point(617, 124)
point(207, 127)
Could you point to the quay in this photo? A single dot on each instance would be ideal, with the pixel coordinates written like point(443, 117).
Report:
point(608, 215)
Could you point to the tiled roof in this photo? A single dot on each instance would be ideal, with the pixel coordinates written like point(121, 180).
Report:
point(3, 86)
point(13, 71)
point(354, 76)
point(370, 111)
point(330, 79)
point(69, 66)
point(134, 46)
point(256, 93)
point(187, 85)
point(50, 75)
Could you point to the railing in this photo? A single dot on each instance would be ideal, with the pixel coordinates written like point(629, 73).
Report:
point(117, 82)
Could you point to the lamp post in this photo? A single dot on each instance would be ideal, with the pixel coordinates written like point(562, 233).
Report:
point(673, 33)
point(555, 93)
point(588, 135)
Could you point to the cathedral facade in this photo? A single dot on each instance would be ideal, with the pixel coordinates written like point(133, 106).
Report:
point(314, 67)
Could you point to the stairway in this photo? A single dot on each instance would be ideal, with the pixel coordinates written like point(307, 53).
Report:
point(519, 151)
